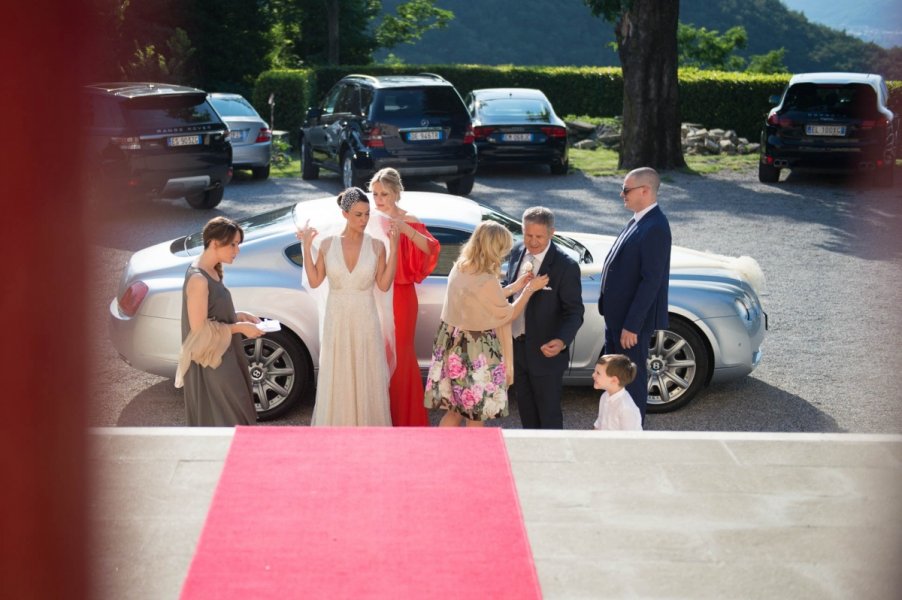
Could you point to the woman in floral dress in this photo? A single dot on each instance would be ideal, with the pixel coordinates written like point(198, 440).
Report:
point(472, 360)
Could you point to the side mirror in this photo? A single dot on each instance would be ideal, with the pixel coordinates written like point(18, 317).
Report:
point(775, 99)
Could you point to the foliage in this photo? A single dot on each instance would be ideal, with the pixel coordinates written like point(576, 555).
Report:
point(293, 90)
point(415, 17)
point(770, 63)
point(699, 47)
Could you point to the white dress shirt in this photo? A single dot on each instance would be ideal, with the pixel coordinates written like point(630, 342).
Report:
point(518, 327)
point(618, 412)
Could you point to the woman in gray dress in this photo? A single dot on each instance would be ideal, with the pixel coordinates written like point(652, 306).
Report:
point(218, 395)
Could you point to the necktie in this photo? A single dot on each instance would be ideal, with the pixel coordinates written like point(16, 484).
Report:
point(518, 327)
point(630, 227)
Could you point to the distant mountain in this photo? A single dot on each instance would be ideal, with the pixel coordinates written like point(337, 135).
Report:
point(564, 32)
point(878, 21)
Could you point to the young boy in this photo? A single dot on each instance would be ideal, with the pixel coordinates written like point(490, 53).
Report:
point(616, 409)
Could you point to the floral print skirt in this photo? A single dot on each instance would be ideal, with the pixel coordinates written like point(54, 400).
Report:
point(467, 375)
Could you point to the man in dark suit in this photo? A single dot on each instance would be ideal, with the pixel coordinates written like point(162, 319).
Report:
point(635, 278)
point(545, 331)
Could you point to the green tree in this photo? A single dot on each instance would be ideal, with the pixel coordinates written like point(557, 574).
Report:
point(769, 63)
point(414, 18)
point(699, 47)
point(646, 35)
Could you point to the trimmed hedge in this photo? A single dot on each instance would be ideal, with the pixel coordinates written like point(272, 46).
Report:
point(712, 98)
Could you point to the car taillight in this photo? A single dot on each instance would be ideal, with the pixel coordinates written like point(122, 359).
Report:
point(870, 124)
point(555, 132)
point(373, 138)
point(132, 298)
point(264, 136)
point(480, 133)
point(469, 135)
point(127, 143)
point(775, 119)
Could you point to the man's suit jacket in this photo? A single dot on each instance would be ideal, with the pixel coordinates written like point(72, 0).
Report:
point(550, 314)
point(635, 294)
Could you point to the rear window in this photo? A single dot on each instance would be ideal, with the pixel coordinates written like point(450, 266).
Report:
point(519, 108)
point(165, 112)
point(412, 102)
point(851, 99)
point(233, 107)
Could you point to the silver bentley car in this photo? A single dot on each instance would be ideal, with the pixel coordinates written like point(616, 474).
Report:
point(717, 323)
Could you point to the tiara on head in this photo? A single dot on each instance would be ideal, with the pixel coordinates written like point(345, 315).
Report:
point(350, 197)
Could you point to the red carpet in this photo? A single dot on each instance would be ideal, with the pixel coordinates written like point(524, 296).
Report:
point(364, 513)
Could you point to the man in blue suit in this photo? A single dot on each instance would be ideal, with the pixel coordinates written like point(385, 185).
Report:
point(635, 277)
point(546, 329)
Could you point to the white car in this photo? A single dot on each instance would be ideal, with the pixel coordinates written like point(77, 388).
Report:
point(716, 327)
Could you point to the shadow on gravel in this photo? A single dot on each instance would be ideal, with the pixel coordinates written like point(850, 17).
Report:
point(746, 405)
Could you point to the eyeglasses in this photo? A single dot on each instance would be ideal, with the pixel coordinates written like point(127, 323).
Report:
point(625, 190)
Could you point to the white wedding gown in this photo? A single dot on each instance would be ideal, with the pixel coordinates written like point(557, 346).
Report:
point(352, 388)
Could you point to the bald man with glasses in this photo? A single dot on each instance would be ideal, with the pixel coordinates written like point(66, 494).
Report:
point(635, 277)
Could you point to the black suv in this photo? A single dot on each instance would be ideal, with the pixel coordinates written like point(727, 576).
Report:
point(831, 121)
point(417, 124)
point(154, 139)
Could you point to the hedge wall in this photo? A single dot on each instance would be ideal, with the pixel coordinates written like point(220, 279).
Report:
point(712, 98)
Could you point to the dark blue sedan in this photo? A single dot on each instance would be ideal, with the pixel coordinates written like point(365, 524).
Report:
point(516, 126)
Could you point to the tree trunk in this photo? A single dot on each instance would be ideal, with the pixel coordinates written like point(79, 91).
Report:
point(647, 43)
point(332, 11)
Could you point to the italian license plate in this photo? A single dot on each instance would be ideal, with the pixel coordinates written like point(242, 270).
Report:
point(424, 136)
point(184, 140)
point(237, 135)
point(516, 137)
point(834, 130)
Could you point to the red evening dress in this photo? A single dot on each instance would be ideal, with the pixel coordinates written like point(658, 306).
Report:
point(406, 387)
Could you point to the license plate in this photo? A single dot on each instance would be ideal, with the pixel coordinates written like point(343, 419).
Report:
point(184, 140)
point(834, 130)
point(516, 137)
point(238, 135)
point(423, 136)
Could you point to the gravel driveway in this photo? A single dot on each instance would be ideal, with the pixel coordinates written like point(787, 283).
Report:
point(831, 252)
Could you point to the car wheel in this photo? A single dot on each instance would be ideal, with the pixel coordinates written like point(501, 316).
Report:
point(349, 175)
point(281, 373)
point(768, 173)
point(308, 169)
point(462, 185)
point(560, 168)
point(206, 200)
point(260, 172)
point(678, 366)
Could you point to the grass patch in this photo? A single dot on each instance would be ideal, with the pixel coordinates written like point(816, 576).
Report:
point(603, 162)
point(290, 168)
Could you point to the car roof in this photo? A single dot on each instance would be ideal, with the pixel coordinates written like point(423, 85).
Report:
point(498, 93)
point(871, 79)
point(135, 89)
point(436, 208)
point(390, 81)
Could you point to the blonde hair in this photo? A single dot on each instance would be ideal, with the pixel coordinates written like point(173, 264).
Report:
point(389, 178)
point(485, 249)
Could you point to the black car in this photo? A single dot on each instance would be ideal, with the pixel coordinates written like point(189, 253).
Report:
point(417, 124)
point(831, 121)
point(518, 125)
point(154, 140)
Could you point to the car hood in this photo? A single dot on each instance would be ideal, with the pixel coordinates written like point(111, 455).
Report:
point(685, 263)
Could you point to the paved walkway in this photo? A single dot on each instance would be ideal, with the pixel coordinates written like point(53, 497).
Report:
point(617, 515)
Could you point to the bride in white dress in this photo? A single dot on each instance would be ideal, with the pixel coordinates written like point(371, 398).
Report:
point(352, 388)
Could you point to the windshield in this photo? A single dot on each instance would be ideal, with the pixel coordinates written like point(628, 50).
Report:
point(577, 251)
point(194, 243)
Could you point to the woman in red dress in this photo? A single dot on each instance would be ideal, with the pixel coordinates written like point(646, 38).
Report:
point(417, 256)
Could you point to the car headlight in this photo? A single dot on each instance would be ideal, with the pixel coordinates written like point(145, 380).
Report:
point(745, 308)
